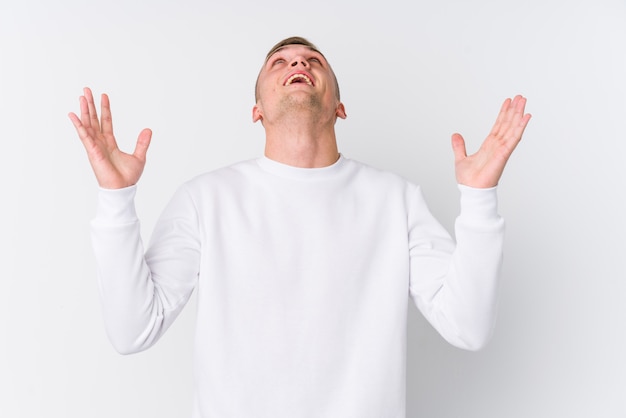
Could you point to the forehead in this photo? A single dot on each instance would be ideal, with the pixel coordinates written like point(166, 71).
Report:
point(292, 48)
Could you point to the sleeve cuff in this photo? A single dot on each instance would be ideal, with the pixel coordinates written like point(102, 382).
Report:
point(116, 206)
point(479, 204)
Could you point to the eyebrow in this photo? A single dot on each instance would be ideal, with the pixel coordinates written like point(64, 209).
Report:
point(277, 50)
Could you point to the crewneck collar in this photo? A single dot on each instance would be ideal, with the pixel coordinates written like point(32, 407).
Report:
point(288, 171)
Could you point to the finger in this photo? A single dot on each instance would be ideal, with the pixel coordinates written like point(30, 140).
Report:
point(511, 112)
point(518, 120)
point(143, 142)
point(502, 116)
point(83, 135)
point(84, 112)
point(520, 106)
point(521, 126)
point(93, 114)
point(106, 118)
point(507, 118)
point(517, 126)
point(458, 147)
point(517, 106)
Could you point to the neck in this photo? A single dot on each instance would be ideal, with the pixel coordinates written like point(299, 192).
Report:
point(304, 143)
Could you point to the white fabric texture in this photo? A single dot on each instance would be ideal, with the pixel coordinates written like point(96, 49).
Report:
point(303, 278)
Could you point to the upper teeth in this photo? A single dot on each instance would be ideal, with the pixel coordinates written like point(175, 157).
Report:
point(299, 76)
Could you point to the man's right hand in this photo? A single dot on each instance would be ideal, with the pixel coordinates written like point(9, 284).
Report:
point(113, 168)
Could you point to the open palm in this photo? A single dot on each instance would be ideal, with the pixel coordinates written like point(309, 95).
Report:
point(113, 168)
point(484, 168)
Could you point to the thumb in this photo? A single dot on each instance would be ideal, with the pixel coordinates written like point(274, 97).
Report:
point(458, 147)
point(143, 142)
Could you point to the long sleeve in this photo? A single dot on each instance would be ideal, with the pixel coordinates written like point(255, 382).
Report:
point(142, 294)
point(454, 285)
point(302, 278)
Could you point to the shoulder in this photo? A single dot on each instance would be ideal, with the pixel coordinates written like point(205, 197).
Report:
point(378, 176)
point(223, 175)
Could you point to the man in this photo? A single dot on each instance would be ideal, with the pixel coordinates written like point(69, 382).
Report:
point(303, 259)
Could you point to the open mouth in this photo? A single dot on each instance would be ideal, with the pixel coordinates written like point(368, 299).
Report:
point(299, 78)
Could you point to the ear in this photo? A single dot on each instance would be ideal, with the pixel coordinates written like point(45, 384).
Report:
point(341, 111)
point(257, 114)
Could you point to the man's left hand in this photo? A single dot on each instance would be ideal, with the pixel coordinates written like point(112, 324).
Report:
point(484, 168)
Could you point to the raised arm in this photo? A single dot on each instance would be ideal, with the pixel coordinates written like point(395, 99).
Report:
point(141, 293)
point(484, 168)
point(113, 168)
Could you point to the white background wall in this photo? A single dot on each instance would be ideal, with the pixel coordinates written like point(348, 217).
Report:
point(410, 77)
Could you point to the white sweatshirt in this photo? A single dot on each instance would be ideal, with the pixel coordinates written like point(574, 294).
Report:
point(303, 279)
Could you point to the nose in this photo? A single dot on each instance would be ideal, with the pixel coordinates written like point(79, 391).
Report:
point(299, 60)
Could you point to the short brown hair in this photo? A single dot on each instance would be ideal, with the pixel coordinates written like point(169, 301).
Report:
point(293, 40)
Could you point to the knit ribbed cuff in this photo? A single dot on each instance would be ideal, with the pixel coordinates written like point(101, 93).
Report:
point(116, 206)
point(479, 204)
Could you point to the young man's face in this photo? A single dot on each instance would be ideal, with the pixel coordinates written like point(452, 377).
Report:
point(296, 77)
